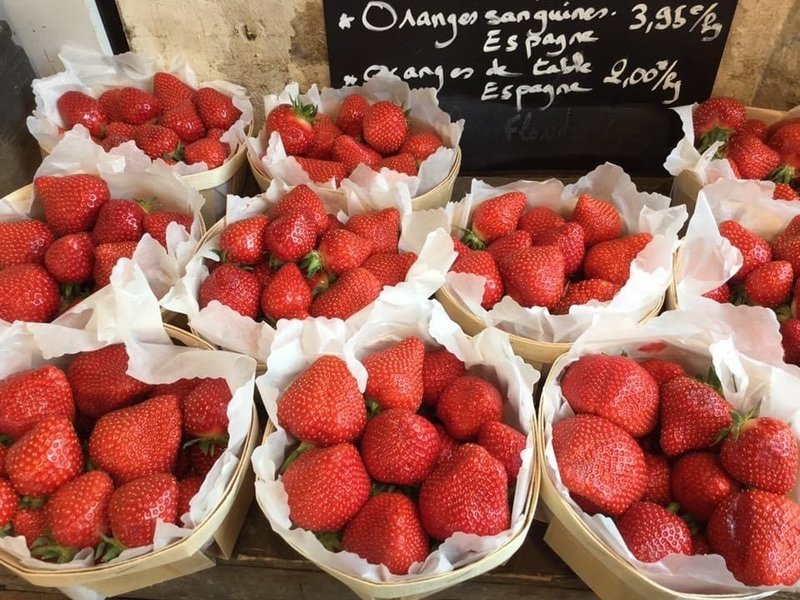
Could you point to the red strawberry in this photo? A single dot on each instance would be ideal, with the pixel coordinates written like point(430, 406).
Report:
point(286, 295)
point(721, 294)
point(319, 282)
point(787, 248)
point(350, 118)
point(692, 415)
point(119, 221)
point(187, 489)
point(755, 127)
point(108, 102)
point(758, 535)
point(71, 202)
point(76, 107)
point(339, 250)
point(242, 242)
point(600, 464)
point(28, 293)
point(29, 396)
point(323, 405)
point(755, 250)
point(658, 488)
point(8, 503)
point(615, 388)
point(206, 150)
point(778, 125)
point(204, 410)
point(447, 444)
point(322, 171)
point(494, 218)
point(179, 388)
point(466, 404)
point(600, 220)
point(45, 458)
point(399, 447)
point(700, 545)
point(385, 127)
point(581, 292)
point(381, 228)
point(716, 119)
point(216, 109)
point(534, 276)
point(467, 493)
point(156, 224)
point(354, 290)
point(505, 444)
point(202, 458)
point(351, 153)
point(326, 487)
point(786, 142)
point(508, 244)
point(387, 531)
point(184, 121)
point(390, 269)
point(394, 375)
point(136, 106)
point(30, 524)
point(152, 428)
point(421, 145)
point(477, 262)
point(460, 247)
point(3, 453)
point(783, 191)
point(119, 129)
point(106, 257)
point(699, 483)
point(769, 284)
point(439, 368)
point(170, 90)
point(325, 134)
point(611, 260)
point(538, 219)
point(762, 453)
point(569, 238)
point(402, 163)
point(157, 141)
point(662, 370)
point(651, 532)
point(135, 507)
point(302, 197)
point(790, 340)
point(234, 287)
point(291, 236)
point(23, 241)
point(753, 157)
point(295, 124)
point(264, 273)
point(110, 142)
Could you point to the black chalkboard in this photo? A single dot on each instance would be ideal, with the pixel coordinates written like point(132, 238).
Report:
point(542, 84)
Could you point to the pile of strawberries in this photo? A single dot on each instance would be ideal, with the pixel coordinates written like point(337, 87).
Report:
point(45, 266)
point(540, 259)
point(298, 260)
point(92, 458)
point(649, 442)
point(421, 454)
point(376, 135)
point(175, 122)
point(755, 150)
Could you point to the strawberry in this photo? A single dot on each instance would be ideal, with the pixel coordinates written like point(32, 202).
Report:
point(615, 388)
point(119, 129)
point(339, 250)
point(786, 142)
point(106, 257)
point(467, 493)
point(322, 171)
point(8, 503)
point(76, 107)
point(71, 202)
point(600, 464)
point(204, 410)
point(402, 163)
point(505, 444)
point(721, 294)
point(440, 367)
point(28, 293)
point(460, 247)
point(466, 404)
point(394, 375)
point(790, 340)
point(326, 487)
point(387, 531)
point(399, 447)
point(156, 224)
point(755, 250)
point(291, 236)
point(45, 458)
point(136, 106)
point(509, 243)
point(390, 269)
point(179, 388)
point(382, 228)
point(108, 101)
point(534, 276)
point(322, 405)
point(569, 238)
point(351, 153)
point(135, 508)
point(30, 524)
point(538, 219)
point(611, 260)
point(600, 220)
point(286, 295)
point(355, 289)
point(242, 242)
point(581, 292)
point(24, 241)
point(758, 535)
point(350, 118)
point(187, 489)
point(754, 159)
point(662, 370)
point(153, 428)
point(29, 396)
point(319, 282)
point(700, 545)
point(263, 271)
point(234, 287)
point(787, 248)
point(295, 124)
point(385, 127)
point(494, 218)
point(170, 90)
point(325, 133)
point(184, 121)
point(651, 532)
point(447, 444)
point(699, 483)
point(778, 125)
point(157, 141)
point(692, 415)
point(658, 478)
point(119, 221)
point(421, 145)
point(754, 127)
point(206, 150)
point(203, 457)
point(769, 284)
point(716, 119)
point(783, 191)
point(3, 454)
point(302, 197)
point(761, 453)
point(110, 142)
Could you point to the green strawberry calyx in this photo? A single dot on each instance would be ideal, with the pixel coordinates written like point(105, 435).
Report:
point(108, 549)
point(303, 447)
point(331, 540)
point(312, 263)
point(739, 420)
point(46, 549)
point(783, 174)
point(471, 239)
point(714, 135)
point(306, 112)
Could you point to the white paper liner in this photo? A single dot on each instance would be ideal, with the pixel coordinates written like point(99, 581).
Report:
point(93, 73)
point(425, 116)
point(298, 343)
point(224, 327)
point(695, 341)
point(651, 271)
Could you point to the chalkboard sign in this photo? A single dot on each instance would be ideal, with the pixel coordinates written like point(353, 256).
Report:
point(542, 84)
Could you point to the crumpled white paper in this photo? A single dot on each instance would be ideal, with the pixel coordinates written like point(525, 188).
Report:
point(224, 327)
point(399, 315)
point(651, 271)
point(153, 359)
point(93, 73)
point(696, 341)
point(425, 116)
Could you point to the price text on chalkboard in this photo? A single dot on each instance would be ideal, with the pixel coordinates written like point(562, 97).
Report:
point(542, 84)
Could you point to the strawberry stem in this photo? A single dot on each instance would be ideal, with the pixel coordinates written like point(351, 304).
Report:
point(46, 549)
point(295, 455)
point(307, 112)
point(373, 408)
point(311, 263)
point(716, 134)
point(108, 549)
point(783, 174)
point(472, 240)
point(32, 501)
